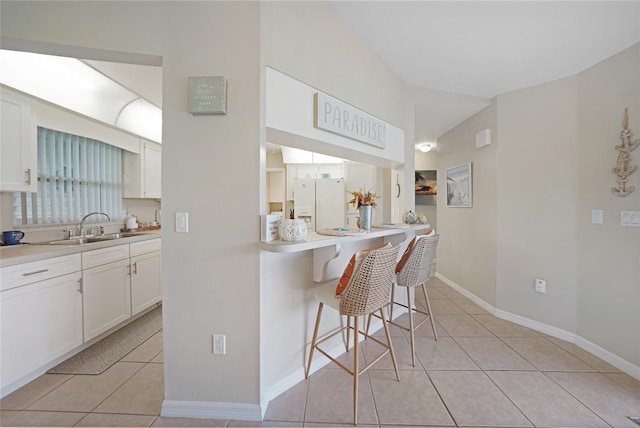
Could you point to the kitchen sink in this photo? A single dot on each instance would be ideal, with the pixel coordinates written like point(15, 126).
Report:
point(90, 239)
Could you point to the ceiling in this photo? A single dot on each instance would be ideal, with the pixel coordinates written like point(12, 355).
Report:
point(468, 52)
point(458, 55)
point(489, 48)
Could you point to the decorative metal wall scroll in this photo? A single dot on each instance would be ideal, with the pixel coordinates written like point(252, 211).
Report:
point(622, 168)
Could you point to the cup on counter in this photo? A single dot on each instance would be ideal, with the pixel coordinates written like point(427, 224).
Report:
point(12, 237)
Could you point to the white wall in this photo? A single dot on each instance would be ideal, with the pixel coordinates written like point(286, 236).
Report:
point(308, 42)
point(210, 275)
point(467, 252)
point(608, 271)
point(537, 186)
point(555, 150)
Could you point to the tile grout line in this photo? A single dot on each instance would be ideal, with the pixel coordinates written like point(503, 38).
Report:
point(576, 398)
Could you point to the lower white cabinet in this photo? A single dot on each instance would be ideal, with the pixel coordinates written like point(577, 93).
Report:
point(106, 297)
point(145, 281)
point(40, 322)
point(50, 307)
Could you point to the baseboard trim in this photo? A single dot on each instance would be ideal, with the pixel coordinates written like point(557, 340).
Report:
point(609, 357)
point(598, 351)
point(475, 299)
point(211, 410)
point(536, 325)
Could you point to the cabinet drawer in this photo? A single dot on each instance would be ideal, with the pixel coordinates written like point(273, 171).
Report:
point(104, 255)
point(28, 273)
point(144, 247)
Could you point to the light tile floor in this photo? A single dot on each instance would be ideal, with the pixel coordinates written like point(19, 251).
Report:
point(482, 371)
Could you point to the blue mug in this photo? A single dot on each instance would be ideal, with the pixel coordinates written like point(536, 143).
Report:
point(12, 237)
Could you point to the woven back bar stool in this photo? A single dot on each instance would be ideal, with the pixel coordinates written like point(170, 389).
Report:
point(368, 291)
point(413, 270)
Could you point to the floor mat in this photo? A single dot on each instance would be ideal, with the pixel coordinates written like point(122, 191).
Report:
point(103, 354)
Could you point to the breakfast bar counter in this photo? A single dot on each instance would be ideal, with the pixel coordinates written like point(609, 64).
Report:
point(315, 240)
point(331, 253)
point(289, 275)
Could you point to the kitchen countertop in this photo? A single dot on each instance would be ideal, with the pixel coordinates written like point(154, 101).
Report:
point(24, 253)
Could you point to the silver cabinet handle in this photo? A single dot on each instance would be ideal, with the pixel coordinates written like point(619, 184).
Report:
point(80, 286)
point(135, 268)
point(28, 174)
point(129, 270)
point(36, 272)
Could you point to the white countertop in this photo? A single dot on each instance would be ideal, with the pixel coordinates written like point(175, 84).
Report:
point(314, 240)
point(24, 253)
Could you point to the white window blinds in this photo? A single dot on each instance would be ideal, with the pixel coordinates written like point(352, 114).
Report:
point(76, 175)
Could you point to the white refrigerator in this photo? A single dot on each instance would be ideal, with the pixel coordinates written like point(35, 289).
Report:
point(320, 202)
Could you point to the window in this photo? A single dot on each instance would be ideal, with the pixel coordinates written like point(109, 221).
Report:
point(76, 175)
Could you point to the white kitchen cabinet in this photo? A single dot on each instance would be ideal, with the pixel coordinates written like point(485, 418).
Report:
point(145, 281)
point(146, 288)
point(41, 321)
point(18, 144)
point(106, 293)
point(141, 173)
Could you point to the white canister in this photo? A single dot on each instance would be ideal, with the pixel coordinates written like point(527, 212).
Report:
point(132, 223)
point(292, 230)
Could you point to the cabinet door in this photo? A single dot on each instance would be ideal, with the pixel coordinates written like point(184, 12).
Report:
point(141, 173)
point(40, 322)
point(106, 297)
point(152, 170)
point(146, 288)
point(18, 145)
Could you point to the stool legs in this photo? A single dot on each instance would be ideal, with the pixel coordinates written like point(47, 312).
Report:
point(356, 371)
point(411, 328)
point(391, 351)
point(426, 298)
point(314, 340)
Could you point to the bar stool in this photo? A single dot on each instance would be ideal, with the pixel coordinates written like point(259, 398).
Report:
point(368, 291)
point(414, 269)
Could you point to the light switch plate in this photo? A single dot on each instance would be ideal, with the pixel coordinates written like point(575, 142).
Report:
point(630, 218)
point(182, 222)
point(596, 216)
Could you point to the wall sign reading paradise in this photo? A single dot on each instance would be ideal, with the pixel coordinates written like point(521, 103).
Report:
point(340, 118)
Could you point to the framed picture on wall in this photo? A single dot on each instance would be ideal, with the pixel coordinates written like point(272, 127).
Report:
point(426, 187)
point(459, 186)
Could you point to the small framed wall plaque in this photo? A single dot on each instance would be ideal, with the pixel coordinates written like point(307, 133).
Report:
point(207, 95)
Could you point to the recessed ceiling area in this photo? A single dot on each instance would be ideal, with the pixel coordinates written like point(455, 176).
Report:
point(108, 92)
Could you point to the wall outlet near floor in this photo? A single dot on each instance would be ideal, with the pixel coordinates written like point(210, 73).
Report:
point(540, 286)
point(219, 344)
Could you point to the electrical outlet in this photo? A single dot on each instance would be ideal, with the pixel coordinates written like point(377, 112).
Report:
point(219, 344)
point(541, 286)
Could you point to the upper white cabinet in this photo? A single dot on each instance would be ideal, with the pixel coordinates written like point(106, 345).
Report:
point(141, 173)
point(18, 144)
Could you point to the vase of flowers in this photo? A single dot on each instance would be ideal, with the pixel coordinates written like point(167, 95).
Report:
point(365, 202)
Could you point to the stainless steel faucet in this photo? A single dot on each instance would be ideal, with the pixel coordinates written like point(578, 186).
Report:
point(88, 215)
